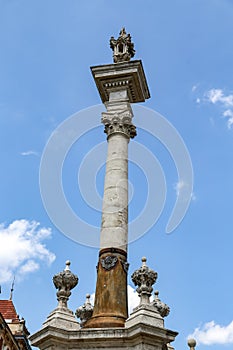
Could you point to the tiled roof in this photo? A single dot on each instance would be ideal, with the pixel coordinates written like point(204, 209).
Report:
point(7, 310)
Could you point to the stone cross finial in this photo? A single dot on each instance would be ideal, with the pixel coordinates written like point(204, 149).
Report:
point(123, 48)
point(192, 343)
point(144, 278)
point(85, 311)
point(162, 308)
point(64, 281)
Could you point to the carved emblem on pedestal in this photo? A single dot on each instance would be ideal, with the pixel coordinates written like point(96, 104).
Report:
point(109, 262)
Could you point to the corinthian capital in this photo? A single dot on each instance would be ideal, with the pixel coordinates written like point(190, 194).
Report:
point(119, 123)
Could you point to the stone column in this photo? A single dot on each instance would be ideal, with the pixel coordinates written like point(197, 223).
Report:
point(110, 309)
point(119, 85)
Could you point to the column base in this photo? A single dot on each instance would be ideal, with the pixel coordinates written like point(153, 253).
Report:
point(110, 308)
point(105, 322)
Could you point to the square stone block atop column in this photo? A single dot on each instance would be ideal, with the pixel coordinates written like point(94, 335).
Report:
point(128, 76)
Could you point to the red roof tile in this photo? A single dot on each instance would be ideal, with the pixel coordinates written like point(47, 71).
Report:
point(7, 310)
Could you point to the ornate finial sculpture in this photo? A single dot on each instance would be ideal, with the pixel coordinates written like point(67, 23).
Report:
point(162, 308)
point(123, 48)
point(64, 281)
point(192, 343)
point(85, 311)
point(144, 278)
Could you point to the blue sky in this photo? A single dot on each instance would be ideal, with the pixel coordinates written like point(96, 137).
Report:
point(47, 48)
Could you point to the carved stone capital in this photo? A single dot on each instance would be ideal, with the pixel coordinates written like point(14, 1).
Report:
point(64, 281)
point(144, 278)
point(85, 311)
point(162, 308)
point(109, 262)
point(119, 123)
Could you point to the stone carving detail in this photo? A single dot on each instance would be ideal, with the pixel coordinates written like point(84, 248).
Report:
point(64, 281)
point(109, 262)
point(125, 266)
point(119, 123)
point(123, 48)
point(144, 278)
point(162, 308)
point(85, 311)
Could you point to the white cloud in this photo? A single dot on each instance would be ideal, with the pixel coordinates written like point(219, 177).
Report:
point(224, 101)
point(182, 188)
point(217, 95)
point(133, 299)
point(211, 333)
point(229, 115)
point(22, 250)
point(194, 87)
point(29, 153)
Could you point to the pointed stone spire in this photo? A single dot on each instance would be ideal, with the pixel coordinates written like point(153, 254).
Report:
point(123, 48)
point(192, 343)
point(85, 311)
point(64, 281)
point(144, 278)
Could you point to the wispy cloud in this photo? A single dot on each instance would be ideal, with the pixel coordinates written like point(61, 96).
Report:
point(29, 153)
point(229, 115)
point(223, 100)
point(182, 188)
point(217, 96)
point(194, 87)
point(211, 333)
point(22, 249)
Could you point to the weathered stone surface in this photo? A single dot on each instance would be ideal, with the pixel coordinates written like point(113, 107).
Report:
point(140, 336)
point(110, 309)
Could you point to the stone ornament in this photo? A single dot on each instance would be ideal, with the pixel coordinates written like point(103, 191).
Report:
point(85, 311)
point(64, 281)
point(125, 266)
point(109, 262)
point(192, 343)
point(144, 278)
point(119, 123)
point(123, 48)
point(162, 308)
